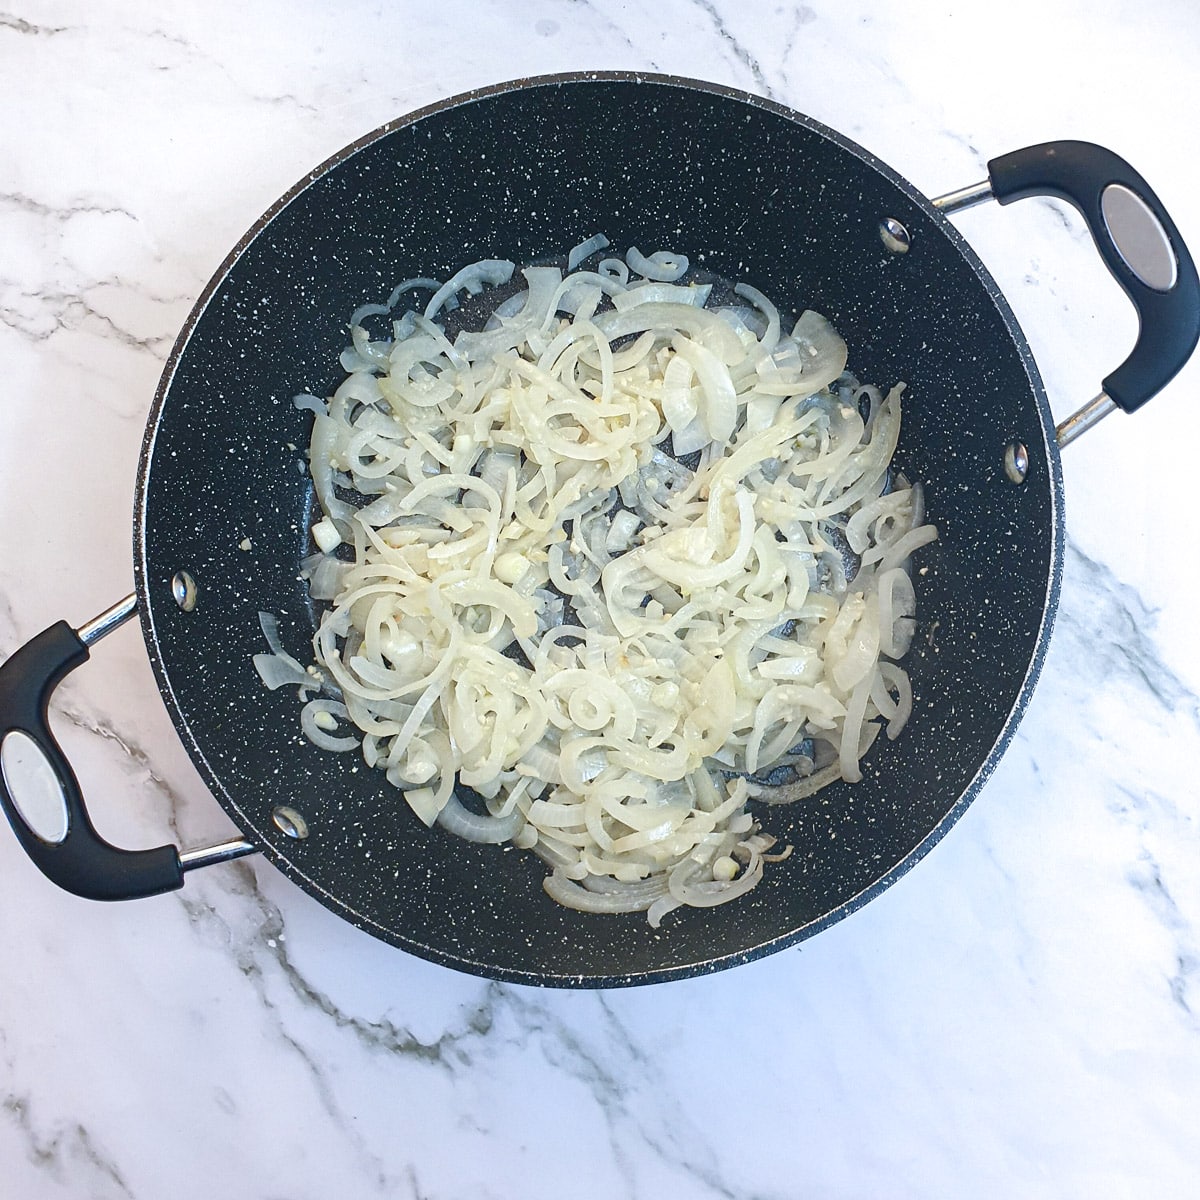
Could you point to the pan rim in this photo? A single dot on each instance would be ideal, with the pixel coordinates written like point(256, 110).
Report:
point(294, 870)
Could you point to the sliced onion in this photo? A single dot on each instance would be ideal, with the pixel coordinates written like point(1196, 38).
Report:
point(679, 404)
point(571, 895)
point(305, 402)
point(310, 716)
point(770, 336)
point(276, 672)
point(895, 679)
point(897, 608)
point(662, 293)
point(614, 268)
point(743, 606)
point(586, 249)
point(324, 574)
point(472, 278)
point(789, 793)
point(903, 549)
point(720, 396)
point(852, 730)
point(473, 828)
point(822, 352)
point(698, 323)
point(662, 265)
point(620, 533)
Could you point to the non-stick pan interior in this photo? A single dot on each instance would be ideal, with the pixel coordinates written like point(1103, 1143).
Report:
point(748, 191)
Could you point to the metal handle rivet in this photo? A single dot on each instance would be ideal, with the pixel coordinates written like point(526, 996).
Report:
point(289, 821)
point(183, 588)
point(894, 236)
point(1016, 462)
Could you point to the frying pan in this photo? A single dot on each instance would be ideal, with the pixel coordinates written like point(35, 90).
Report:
point(523, 171)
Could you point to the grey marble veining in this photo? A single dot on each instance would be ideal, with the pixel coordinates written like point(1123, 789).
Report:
point(1018, 1016)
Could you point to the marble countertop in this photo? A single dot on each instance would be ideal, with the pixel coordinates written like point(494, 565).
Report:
point(1018, 1016)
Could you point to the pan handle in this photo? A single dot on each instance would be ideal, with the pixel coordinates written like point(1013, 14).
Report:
point(49, 816)
point(1139, 244)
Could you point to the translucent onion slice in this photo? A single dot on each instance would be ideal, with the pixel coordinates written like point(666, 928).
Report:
point(318, 717)
point(473, 279)
point(823, 354)
point(586, 249)
point(661, 265)
point(472, 827)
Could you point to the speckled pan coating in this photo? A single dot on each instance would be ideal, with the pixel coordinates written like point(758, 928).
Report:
point(746, 188)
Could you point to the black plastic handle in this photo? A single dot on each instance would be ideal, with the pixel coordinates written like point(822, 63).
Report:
point(82, 862)
point(1168, 309)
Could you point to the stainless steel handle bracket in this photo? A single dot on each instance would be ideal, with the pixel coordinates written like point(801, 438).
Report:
point(967, 197)
point(210, 856)
point(1080, 422)
point(111, 618)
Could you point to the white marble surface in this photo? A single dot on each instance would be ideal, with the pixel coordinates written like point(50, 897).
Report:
point(1018, 1017)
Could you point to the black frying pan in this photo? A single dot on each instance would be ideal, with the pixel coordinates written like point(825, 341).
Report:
point(749, 190)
